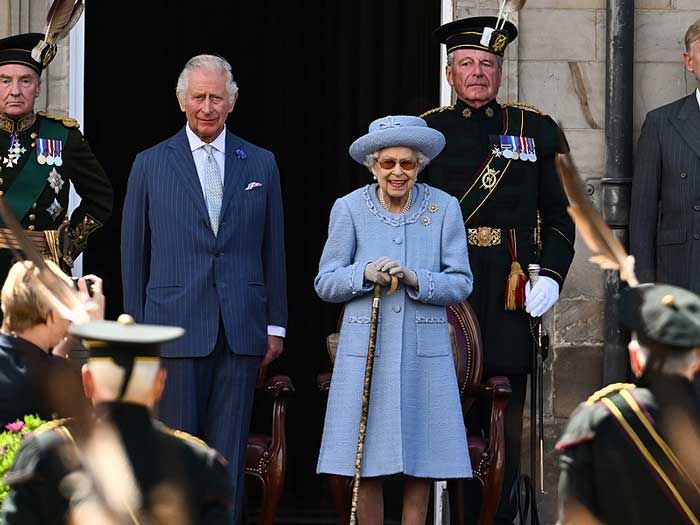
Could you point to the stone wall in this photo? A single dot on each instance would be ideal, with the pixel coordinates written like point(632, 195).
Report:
point(558, 64)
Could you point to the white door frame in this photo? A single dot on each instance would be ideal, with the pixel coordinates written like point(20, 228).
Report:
point(76, 98)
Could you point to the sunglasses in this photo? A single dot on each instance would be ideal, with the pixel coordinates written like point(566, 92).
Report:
point(389, 164)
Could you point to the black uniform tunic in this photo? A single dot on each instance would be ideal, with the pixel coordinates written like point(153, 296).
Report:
point(35, 382)
point(168, 467)
point(79, 166)
point(525, 188)
point(603, 472)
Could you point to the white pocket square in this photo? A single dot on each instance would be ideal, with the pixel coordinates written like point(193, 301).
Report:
point(253, 185)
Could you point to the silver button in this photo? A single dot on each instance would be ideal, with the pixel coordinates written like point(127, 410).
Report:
point(684, 175)
point(396, 308)
point(696, 207)
point(696, 236)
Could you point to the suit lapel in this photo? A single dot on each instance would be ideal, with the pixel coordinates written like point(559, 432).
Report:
point(687, 122)
point(184, 168)
point(235, 169)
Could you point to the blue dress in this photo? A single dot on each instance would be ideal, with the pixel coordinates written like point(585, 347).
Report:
point(415, 422)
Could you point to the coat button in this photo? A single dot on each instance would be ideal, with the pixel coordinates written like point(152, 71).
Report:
point(696, 207)
point(32, 217)
point(696, 236)
point(398, 240)
point(31, 227)
point(396, 308)
point(683, 175)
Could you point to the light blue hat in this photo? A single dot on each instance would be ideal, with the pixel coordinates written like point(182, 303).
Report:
point(398, 130)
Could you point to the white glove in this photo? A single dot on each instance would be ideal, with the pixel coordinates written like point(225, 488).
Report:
point(542, 296)
point(406, 275)
point(374, 275)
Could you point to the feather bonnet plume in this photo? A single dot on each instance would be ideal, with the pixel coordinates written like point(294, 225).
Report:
point(608, 251)
point(62, 16)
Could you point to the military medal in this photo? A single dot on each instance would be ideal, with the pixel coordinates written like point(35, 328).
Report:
point(55, 180)
point(58, 159)
point(49, 149)
point(506, 146)
point(14, 152)
point(532, 156)
point(40, 151)
point(54, 210)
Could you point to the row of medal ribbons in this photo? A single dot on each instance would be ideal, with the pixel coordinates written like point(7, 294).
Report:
point(517, 148)
point(49, 151)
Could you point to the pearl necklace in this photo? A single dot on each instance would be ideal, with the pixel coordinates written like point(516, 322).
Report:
point(406, 206)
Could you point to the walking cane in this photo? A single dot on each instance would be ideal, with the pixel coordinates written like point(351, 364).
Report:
point(369, 364)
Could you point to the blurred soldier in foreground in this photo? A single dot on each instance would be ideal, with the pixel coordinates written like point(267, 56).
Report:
point(35, 376)
point(120, 466)
point(631, 454)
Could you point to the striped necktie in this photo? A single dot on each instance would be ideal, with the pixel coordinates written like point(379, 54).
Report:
point(214, 191)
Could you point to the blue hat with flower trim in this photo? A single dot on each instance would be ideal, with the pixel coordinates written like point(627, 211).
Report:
point(398, 130)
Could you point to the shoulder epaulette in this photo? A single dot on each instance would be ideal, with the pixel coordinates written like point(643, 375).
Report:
point(181, 434)
point(436, 110)
point(523, 105)
point(67, 121)
point(51, 425)
point(606, 391)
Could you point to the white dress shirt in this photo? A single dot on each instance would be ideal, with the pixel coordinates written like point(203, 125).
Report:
point(697, 95)
point(219, 153)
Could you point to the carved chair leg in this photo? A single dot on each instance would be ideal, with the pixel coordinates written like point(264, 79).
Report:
point(271, 494)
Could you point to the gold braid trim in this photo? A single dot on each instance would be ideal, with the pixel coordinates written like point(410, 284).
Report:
point(606, 391)
point(436, 110)
point(67, 121)
point(181, 434)
point(523, 105)
point(51, 425)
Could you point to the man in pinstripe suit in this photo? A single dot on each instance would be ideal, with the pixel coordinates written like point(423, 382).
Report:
point(665, 209)
point(203, 248)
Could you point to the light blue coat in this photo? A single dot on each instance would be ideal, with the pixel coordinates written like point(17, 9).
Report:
point(415, 418)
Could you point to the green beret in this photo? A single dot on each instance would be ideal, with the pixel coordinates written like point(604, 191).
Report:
point(663, 314)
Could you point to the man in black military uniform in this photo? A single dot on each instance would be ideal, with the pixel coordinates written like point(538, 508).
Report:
point(39, 154)
point(120, 466)
point(631, 454)
point(499, 161)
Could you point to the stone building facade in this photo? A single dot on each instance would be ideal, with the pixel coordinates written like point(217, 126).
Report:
point(557, 64)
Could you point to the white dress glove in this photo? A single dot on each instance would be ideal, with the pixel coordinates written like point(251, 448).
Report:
point(405, 275)
point(542, 296)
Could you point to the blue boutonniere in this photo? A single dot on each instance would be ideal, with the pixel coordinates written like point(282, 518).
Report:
point(241, 154)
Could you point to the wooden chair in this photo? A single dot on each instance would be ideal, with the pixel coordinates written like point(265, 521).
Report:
point(487, 452)
point(266, 455)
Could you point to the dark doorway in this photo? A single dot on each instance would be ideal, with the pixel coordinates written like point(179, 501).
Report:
point(312, 75)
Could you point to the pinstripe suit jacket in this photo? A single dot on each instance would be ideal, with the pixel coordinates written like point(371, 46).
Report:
point(176, 272)
point(665, 208)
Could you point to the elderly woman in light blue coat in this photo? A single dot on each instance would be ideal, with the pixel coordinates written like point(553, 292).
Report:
point(396, 226)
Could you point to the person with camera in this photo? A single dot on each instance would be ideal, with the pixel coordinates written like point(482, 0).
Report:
point(35, 376)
